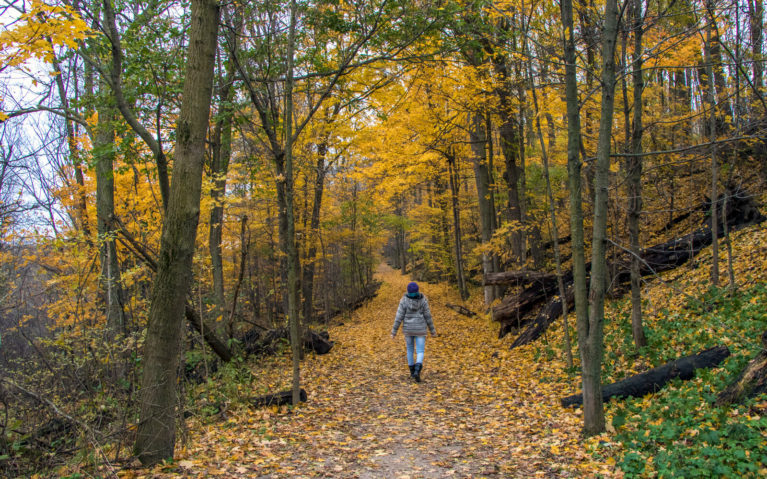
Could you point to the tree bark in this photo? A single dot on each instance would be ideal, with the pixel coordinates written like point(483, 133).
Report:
point(279, 399)
point(590, 332)
point(221, 152)
point(478, 139)
point(756, 27)
point(244, 247)
point(574, 177)
point(452, 169)
point(517, 277)
point(104, 153)
point(510, 146)
point(292, 250)
point(714, 163)
point(82, 202)
point(307, 283)
point(553, 220)
point(207, 333)
point(155, 436)
point(634, 178)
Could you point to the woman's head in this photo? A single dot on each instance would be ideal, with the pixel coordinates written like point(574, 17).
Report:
point(412, 287)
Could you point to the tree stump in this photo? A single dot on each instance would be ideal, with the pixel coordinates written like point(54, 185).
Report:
point(751, 382)
point(277, 399)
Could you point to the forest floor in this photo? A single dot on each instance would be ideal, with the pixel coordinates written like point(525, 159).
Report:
point(481, 410)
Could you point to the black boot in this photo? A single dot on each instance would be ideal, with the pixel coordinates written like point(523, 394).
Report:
point(412, 371)
point(417, 372)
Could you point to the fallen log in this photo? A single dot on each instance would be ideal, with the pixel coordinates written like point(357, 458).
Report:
point(654, 379)
point(751, 382)
point(519, 277)
point(320, 342)
point(207, 333)
point(461, 310)
point(255, 342)
point(655, 259)
point(545, 317)
point(277, 399)
point(518, 306)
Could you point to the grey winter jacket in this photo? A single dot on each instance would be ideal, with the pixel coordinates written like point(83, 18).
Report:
point(415, 316)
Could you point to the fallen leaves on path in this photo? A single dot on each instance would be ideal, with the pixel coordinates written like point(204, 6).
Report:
point(481, 411)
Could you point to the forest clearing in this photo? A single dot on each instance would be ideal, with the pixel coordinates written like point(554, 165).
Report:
point(214, 215)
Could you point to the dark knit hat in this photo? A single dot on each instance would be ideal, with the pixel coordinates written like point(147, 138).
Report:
point(412, 287)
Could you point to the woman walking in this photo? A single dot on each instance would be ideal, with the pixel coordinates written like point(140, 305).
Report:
point(414, 315)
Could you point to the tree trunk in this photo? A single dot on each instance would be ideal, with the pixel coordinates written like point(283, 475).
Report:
point(82, 203)
point(519, 277)
point(110, 27)
point(279, 399)
point(221, 152)
point(726, 231)
point(155, 437)
point(292, 250)
point(714, 163)
point(104, 153)
point(634, 179)
point(452, 170)
point(574, 178)
point(510, 146)
point(756, 27)
point(553, 219)
point(590, 332)
point(751, 382)
point(477, 137)
point(724, 110)
point(244, 247)
point(207, 333)
point(314, 226)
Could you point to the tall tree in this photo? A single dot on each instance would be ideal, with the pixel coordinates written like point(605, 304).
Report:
point(590, 339)
point(155, 437)
point(756, 29)
point(574, 177)
point(713, 127)
point(104, 155)
point(634, 175)
point(478, 139)
point(553, 218)
point(292, 250)
point(220, 155)
point(454, 181)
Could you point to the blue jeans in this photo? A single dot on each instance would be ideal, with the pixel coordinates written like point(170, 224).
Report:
point(419, 344)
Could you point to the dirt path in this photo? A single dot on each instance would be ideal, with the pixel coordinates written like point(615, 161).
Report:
point(481, 411)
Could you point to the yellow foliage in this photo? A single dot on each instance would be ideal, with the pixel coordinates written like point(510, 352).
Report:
point(38, 31)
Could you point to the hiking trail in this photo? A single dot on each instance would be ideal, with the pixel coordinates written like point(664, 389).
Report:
point(481, 410)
